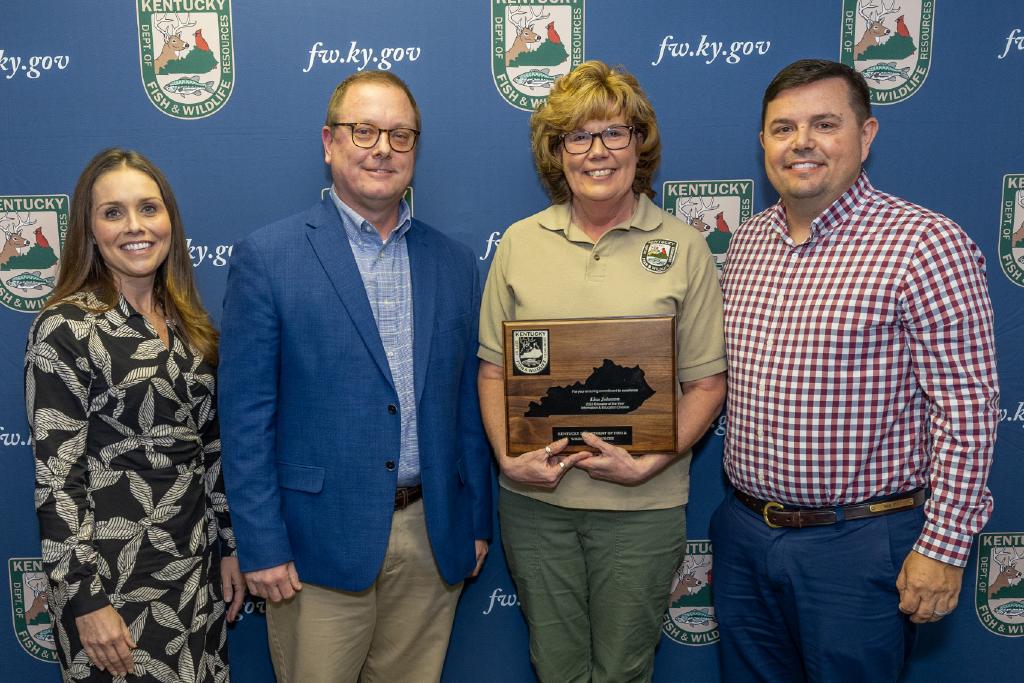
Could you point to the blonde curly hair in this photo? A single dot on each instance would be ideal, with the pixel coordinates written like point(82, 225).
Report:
point(593, 90)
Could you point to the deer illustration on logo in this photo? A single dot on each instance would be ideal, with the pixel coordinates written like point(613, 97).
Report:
point(1009, 575)
point(14, 242)
point(170, 29)
point(525, 35)
point(687, 581)
point(692, 211)
point(876, 30)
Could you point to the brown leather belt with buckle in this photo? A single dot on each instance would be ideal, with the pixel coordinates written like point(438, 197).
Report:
point(406, 495)
point(778, 515)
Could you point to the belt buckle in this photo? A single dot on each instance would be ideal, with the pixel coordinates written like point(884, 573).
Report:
point(772, 505)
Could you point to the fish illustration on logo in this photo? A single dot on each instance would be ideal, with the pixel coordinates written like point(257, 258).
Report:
point(532, 45)
point(187, 58)
point(889, 44)
point(33, 228)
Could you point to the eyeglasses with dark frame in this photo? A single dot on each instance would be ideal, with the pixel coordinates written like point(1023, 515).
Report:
point(366, 135)
point(612, 137)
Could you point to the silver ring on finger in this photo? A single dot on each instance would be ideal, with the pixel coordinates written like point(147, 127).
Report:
point(562, 465)
point(547, 451)
point(939, 613)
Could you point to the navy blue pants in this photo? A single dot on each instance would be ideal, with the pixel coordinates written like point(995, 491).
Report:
point(811, 605)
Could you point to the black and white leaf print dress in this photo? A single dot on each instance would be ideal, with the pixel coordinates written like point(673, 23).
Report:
point(129, 490)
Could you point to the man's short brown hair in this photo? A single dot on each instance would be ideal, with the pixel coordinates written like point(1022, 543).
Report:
point(384, 77)
point(806, 71)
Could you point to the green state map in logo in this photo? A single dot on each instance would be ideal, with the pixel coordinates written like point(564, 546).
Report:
point(1011, 229)
point(714, 207)
point(532, 44)
point(31, 620)
point(187, 56)
point(999, 599)
point(33, 230)
point(890, 43)
point(690, 618)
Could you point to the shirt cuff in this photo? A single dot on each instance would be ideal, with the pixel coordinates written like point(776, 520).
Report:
point(89, 596)
point(944, 545)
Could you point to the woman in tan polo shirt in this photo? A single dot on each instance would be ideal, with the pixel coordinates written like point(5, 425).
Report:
point(592, 539)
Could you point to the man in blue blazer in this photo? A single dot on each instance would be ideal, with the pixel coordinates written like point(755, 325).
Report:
point(358, 473)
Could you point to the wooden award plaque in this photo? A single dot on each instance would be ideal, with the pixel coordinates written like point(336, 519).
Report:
point(615, 377)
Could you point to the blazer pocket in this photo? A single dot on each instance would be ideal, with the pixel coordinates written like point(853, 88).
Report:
point(300, 477)
point(458, 322)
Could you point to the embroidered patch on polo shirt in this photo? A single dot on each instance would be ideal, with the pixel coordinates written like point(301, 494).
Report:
point(658, 255)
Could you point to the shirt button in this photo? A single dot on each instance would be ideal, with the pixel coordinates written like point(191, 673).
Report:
point(390, 465)
point(597, 257)
point(392, 408)
point(768, 342)
point(760, 478)
point(761, 386)
point(779, 299)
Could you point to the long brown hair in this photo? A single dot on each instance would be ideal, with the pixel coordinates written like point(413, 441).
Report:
point(82, 268)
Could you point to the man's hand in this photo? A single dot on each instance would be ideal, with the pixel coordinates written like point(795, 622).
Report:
point(929, 589)
point(543, 467)
point(233, 586)
point(276, 583)
point(481, 555)
point(615, 464)
point(107, 640)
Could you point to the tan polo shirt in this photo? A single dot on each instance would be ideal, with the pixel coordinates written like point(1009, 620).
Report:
point(545, 267)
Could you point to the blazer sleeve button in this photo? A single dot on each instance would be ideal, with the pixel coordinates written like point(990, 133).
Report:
point(392, 408)
point(390, 465)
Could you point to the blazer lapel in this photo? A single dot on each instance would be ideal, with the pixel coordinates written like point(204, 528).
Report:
point(424, 268)
point(327, 237)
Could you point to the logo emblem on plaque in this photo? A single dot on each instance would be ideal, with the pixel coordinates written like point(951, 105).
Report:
point(658, 255)
point(530, 352)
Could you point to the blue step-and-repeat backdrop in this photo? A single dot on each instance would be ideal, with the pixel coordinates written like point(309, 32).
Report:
point(228, 96)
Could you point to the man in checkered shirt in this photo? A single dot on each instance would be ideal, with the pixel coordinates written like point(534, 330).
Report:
point(862, 404)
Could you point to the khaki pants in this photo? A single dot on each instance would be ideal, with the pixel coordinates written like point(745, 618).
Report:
point(394, 631)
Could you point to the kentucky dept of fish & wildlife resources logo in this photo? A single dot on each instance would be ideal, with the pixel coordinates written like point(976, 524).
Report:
point(530, 352)
point(532, 44)
point(34, 227)
point(890, 45)
point(1011, 229)
point(714, 207)
point(999, 600)
point(31, 620)
point(187, 55)
point(690, 618)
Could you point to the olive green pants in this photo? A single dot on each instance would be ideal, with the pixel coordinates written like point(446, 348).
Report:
point(593, 585)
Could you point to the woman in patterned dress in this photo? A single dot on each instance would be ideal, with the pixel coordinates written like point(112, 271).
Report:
point(119, 387)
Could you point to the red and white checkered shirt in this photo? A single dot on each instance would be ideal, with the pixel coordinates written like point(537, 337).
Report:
point(862, 363)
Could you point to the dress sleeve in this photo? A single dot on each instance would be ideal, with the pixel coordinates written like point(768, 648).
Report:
point(58, 376)
point(216, 500)
point(947, 320)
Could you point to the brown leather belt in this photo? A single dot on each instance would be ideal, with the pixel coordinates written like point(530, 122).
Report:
point(406, 495)
point(778, 515)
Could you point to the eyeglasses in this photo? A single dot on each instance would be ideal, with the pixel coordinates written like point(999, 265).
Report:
point(366, 135)
point(612, 137)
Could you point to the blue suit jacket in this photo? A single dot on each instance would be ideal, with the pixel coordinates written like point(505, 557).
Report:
point(304, 394)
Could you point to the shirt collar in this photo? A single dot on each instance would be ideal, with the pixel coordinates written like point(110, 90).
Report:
point(646, 217)
point(835, 216)
point(359, 229)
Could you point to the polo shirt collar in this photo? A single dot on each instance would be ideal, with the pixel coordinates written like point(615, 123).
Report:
point(646, 217)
